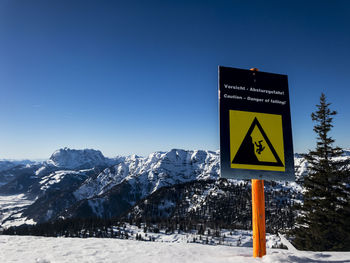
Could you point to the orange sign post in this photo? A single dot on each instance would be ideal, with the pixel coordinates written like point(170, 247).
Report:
point(258, 222)
point(258, 212)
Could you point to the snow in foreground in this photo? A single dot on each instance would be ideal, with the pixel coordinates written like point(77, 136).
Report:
point(44, 250)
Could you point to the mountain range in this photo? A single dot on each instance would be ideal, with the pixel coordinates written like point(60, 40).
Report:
point(173, 184)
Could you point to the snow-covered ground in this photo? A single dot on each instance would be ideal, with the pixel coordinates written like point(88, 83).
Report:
point(45, 250)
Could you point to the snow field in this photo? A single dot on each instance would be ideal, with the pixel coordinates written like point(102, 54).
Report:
point(48, 250)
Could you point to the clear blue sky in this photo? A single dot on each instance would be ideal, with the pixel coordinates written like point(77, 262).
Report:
point(131, 77)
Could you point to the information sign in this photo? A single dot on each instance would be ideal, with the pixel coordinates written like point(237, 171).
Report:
point(255, 125)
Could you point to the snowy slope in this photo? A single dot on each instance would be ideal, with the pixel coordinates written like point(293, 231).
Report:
point(46, 250)
point(11, 206)
point(119, 187)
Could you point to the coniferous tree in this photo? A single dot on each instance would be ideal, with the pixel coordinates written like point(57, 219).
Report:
point(321, 224)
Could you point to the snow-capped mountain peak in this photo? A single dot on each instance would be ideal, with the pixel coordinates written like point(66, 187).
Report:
point(73, 159)
point(153, 172)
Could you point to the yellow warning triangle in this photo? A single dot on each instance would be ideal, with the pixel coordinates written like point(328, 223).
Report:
point(256, 148)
